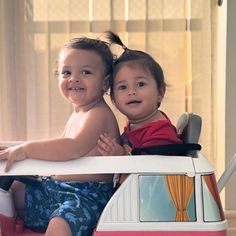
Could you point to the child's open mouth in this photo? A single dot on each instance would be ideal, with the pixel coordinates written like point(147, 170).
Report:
point(133, 102)
point(76, 88)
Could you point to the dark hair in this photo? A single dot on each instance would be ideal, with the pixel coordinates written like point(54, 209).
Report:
point(101, 48)
point(141, 58)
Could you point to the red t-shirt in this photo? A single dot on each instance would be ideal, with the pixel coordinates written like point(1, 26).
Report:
point(152, 134)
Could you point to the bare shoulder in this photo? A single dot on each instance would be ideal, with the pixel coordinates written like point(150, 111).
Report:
point(103, 111)
point(104, 115)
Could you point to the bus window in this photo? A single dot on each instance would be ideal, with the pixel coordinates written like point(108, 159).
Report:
point(161, 198)
point(211, 200)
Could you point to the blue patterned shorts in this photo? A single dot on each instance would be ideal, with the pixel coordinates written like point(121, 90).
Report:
point(79, 204)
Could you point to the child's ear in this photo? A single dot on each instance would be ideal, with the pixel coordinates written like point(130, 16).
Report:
point(161, 94)
point(159, 98)
point(106, 83)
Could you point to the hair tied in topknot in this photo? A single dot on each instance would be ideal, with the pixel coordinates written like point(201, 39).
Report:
point(114, 38)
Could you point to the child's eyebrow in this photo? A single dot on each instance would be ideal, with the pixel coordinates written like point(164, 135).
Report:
point(86, 66)
point(141, 77)
point(136, 78)
point(120, 82)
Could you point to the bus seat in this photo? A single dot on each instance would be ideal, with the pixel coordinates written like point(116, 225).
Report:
point(188, 127)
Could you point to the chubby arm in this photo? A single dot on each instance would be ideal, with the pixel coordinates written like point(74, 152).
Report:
point(82, 138)
point(57, 149)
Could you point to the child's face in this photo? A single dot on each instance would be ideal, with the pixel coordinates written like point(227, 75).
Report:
point(135, 92)
point(81, 77)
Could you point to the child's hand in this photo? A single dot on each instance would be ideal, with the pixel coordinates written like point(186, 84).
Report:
point(12, 154)
point(3, 148)
point(109, 147)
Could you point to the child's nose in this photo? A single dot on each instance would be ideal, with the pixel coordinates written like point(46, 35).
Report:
point(132, 92)
point(74, 78)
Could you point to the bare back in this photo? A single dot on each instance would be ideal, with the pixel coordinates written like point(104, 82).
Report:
point(86, 127)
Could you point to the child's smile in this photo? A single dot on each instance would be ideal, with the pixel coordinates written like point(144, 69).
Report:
point(75, 88)
point(81, 79)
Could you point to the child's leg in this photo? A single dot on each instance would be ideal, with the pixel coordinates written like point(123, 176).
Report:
point(18, 193)
point(81, 206)
point(58, 227)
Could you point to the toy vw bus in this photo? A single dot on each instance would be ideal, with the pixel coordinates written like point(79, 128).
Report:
point(179, 196)
point(163, 195)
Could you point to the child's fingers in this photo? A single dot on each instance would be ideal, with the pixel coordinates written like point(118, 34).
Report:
point(106, 139)
point(102, 151)
point(8, 165)
point(106, 136)
point(3, 148)
point(3, 155)
point(102, 138)
point(103, 145)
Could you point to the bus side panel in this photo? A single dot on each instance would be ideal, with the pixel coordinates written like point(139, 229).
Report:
point(161, 233)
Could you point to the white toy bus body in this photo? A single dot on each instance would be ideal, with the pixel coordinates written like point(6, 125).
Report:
point(163, 195)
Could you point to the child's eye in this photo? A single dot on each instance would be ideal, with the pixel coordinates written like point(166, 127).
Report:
point(141, 84)
point(122, 87)
point(65, 73)
point(86, 72)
